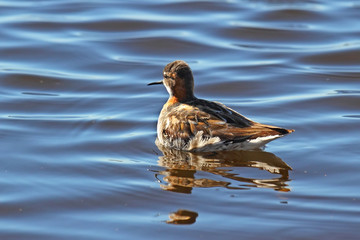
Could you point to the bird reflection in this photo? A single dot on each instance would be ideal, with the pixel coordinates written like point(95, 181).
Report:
point(221, 169)
point(183, 217)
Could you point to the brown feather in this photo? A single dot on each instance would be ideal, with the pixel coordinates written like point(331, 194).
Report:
point(214, 120)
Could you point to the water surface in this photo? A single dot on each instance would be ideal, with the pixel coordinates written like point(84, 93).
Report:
point(78, 123)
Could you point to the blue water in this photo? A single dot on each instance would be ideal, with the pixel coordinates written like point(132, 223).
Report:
point(78, 123)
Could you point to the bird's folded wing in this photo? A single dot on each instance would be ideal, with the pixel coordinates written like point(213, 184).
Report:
point(214, 120)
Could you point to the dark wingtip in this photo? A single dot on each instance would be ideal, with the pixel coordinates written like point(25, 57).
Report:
point(283, 131)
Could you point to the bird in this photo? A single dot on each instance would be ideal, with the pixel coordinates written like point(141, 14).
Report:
point(192, 124)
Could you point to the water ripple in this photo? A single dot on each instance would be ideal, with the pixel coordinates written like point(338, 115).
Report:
point(78, 122)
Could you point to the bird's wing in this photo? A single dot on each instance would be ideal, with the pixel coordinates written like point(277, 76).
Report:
point(222, 112)
point(214, 120)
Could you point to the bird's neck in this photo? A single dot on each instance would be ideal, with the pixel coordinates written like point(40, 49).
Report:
point(184, 97)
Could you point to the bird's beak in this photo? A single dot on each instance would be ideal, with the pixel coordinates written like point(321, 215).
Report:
point(155, 83)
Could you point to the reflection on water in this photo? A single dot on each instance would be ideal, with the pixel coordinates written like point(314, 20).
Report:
point(181, 168)
point(77, 121)
point(182, 216)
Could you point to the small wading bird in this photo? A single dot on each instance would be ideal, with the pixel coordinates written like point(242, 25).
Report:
point(192, 124)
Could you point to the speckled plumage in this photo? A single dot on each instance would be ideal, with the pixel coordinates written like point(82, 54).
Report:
point(192, 124)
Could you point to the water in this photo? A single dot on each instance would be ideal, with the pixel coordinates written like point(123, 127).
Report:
point(78, 122)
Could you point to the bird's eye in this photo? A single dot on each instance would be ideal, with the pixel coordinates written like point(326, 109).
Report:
point(167, 75)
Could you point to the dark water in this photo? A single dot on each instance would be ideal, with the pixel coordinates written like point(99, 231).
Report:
point(77, 127)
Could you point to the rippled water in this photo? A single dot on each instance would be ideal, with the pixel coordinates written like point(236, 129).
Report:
point(78, 122)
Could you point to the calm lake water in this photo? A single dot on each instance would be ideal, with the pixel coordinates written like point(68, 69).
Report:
point(78, 123)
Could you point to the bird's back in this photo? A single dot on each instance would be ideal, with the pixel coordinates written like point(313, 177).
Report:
point(201, 125)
